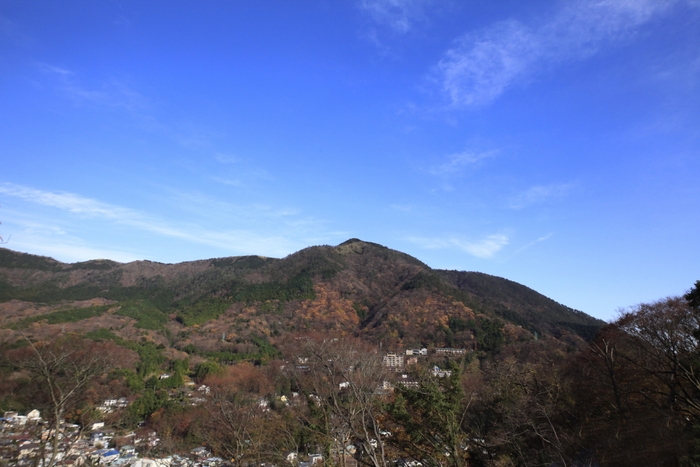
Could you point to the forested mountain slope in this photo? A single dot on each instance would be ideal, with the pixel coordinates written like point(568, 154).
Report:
point(356, 288)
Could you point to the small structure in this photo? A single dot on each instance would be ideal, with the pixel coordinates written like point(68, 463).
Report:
point(73, 460)
point(405, 380)
point(28, 449)
point(200, 452)
point(110, 405)
point(212, 462)
point(392, 360)
point(128, 449)
point(437, 372)
point(105, 456)
point(408, 463)
point(18, 420)
point(450, 351)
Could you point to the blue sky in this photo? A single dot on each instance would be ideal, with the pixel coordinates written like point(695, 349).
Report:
point(554, 143)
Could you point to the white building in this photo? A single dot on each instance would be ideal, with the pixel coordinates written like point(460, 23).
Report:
point(392, 360)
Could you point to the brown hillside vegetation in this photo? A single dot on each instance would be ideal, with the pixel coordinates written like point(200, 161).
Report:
point(254, 358)
point(357, 288)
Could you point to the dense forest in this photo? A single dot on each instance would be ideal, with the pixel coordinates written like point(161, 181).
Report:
point(266, 361)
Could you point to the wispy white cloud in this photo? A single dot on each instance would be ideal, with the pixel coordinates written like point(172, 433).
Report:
point(51, 237)
point(540, 194)
point(484, 248)
point(66, 201)
point(535, 242)
point(7, 27)
point(91, 208)
point(234, 240)
point(237, 182)
point(112, 93)
point(207, 207)
point(46, 68)
point(402, 207)
point(457, 163)
point(226, 158)
point(68, 252)
point(485, 63)
point(121, 95)
point(122, 22)
point(13, 32)
point(238, 171)
point(398, 15)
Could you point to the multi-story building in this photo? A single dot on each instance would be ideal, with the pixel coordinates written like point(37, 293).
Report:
point(392, 360)
point(422, 351)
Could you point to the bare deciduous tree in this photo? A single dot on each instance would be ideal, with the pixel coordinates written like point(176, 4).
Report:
point(63, 370)
point(638, 386)
point(662, 343)
point(343, 380)
point(239, 421)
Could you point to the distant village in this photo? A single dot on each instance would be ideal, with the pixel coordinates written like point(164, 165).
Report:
point(26, 440)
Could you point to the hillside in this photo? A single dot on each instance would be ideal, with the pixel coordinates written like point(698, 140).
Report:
point(242, 305)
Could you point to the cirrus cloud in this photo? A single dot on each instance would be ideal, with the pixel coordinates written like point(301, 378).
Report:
point(398, 15)
point(539, 194)
point(246, 238)
point(457, 163)
point(485, 248)
point(484, 64)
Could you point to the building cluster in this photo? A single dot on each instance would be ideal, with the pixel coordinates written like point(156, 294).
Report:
point(397, 361)
point(27, 440)
point(111, 405)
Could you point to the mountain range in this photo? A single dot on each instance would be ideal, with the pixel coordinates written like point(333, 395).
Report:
point(246, 305)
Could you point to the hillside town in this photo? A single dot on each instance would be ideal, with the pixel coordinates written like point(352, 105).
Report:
point(24, 441)
point(29, 440)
